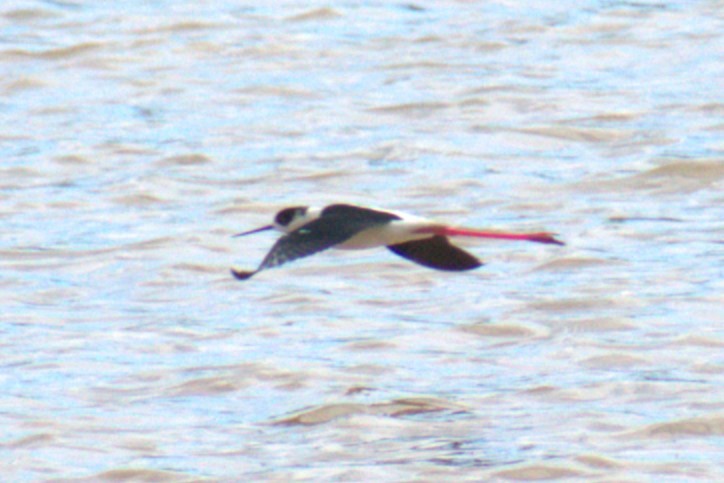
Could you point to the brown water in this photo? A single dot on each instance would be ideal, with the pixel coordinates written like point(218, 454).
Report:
point(136, 140)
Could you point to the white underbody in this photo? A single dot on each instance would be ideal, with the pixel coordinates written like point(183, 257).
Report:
point(390, 234)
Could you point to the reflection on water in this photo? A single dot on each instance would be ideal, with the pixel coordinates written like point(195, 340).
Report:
point(135, 142)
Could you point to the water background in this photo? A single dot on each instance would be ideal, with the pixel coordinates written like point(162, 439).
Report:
point(137, 137)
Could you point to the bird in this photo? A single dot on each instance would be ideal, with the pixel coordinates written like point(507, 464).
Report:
point(309, 230)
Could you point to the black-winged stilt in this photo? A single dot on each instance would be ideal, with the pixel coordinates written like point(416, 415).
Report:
point(309, 230)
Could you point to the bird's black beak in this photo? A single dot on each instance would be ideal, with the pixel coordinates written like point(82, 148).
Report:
point(263, 228)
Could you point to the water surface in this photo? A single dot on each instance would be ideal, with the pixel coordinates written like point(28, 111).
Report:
point(135, 141)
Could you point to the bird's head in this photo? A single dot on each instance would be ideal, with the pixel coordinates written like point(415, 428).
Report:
point(289, 219)
point(286, 220)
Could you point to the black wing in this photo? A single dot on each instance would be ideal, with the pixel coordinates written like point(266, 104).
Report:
point(330, 229)
point(351, 212)
point(436, 252)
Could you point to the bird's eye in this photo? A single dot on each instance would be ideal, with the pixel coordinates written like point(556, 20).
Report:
point(287, 215)
point(284, 217)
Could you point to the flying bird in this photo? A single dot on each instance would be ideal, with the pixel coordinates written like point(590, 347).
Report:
point(308, 230)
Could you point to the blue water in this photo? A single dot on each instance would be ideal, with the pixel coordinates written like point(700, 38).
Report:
point(137, 138)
